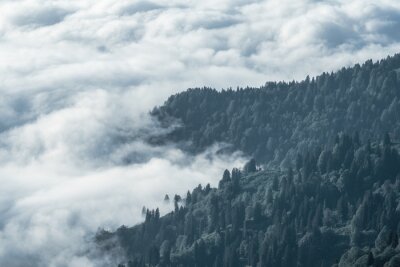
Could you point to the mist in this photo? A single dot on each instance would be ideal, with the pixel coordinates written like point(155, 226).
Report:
point(86, 166)
point(78, 79)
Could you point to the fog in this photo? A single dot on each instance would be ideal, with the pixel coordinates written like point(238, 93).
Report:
point(86, 166)
point(77, 79)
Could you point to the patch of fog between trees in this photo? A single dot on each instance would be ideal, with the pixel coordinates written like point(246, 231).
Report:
point(82, 166)
point(72, 157)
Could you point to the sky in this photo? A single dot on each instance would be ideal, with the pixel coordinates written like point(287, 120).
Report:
point(77, 79)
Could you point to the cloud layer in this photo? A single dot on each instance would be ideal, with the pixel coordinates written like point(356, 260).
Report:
point(78, 77)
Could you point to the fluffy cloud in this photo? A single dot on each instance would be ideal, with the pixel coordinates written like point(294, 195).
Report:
point(77, 79)
point(83, 166)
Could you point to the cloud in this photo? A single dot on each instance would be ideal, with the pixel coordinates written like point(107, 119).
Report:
point(40, 17)
point(31, 14)
point(58, 211)
point(77, 79)
point(143, 6)
point(86, 166)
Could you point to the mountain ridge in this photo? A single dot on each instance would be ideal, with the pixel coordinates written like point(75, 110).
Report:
point(326, 193)
point(295, 115)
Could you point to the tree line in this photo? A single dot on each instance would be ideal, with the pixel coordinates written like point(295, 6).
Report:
point(335, 206)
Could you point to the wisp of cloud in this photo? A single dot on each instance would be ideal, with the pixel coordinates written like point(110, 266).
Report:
point(77, 79)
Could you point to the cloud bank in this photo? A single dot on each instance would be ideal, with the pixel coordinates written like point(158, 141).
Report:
point(86, 166)
point(77, 79)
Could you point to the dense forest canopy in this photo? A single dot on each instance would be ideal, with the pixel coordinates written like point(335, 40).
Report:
point(274, 122)
point(336, 202)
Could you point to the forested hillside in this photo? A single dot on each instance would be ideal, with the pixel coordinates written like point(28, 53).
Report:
point(337, 206)
point(269, 121)
point(326, 191)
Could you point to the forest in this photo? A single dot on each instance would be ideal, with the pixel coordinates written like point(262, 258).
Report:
point(272, 123)
point(322, 187)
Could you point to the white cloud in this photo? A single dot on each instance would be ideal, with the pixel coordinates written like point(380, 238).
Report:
point(78, 77)
point(82, 166)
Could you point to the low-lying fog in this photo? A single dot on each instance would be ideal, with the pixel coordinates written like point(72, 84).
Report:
point(77, 79)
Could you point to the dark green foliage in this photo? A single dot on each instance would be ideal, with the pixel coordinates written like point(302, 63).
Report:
point(338, 203)
point(250, 166)
point(226, 178)
point(274, 121)
point(348, 214)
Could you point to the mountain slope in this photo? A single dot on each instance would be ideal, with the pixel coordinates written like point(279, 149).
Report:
point(331, 209)
point(275, 121)
point(335, 201)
